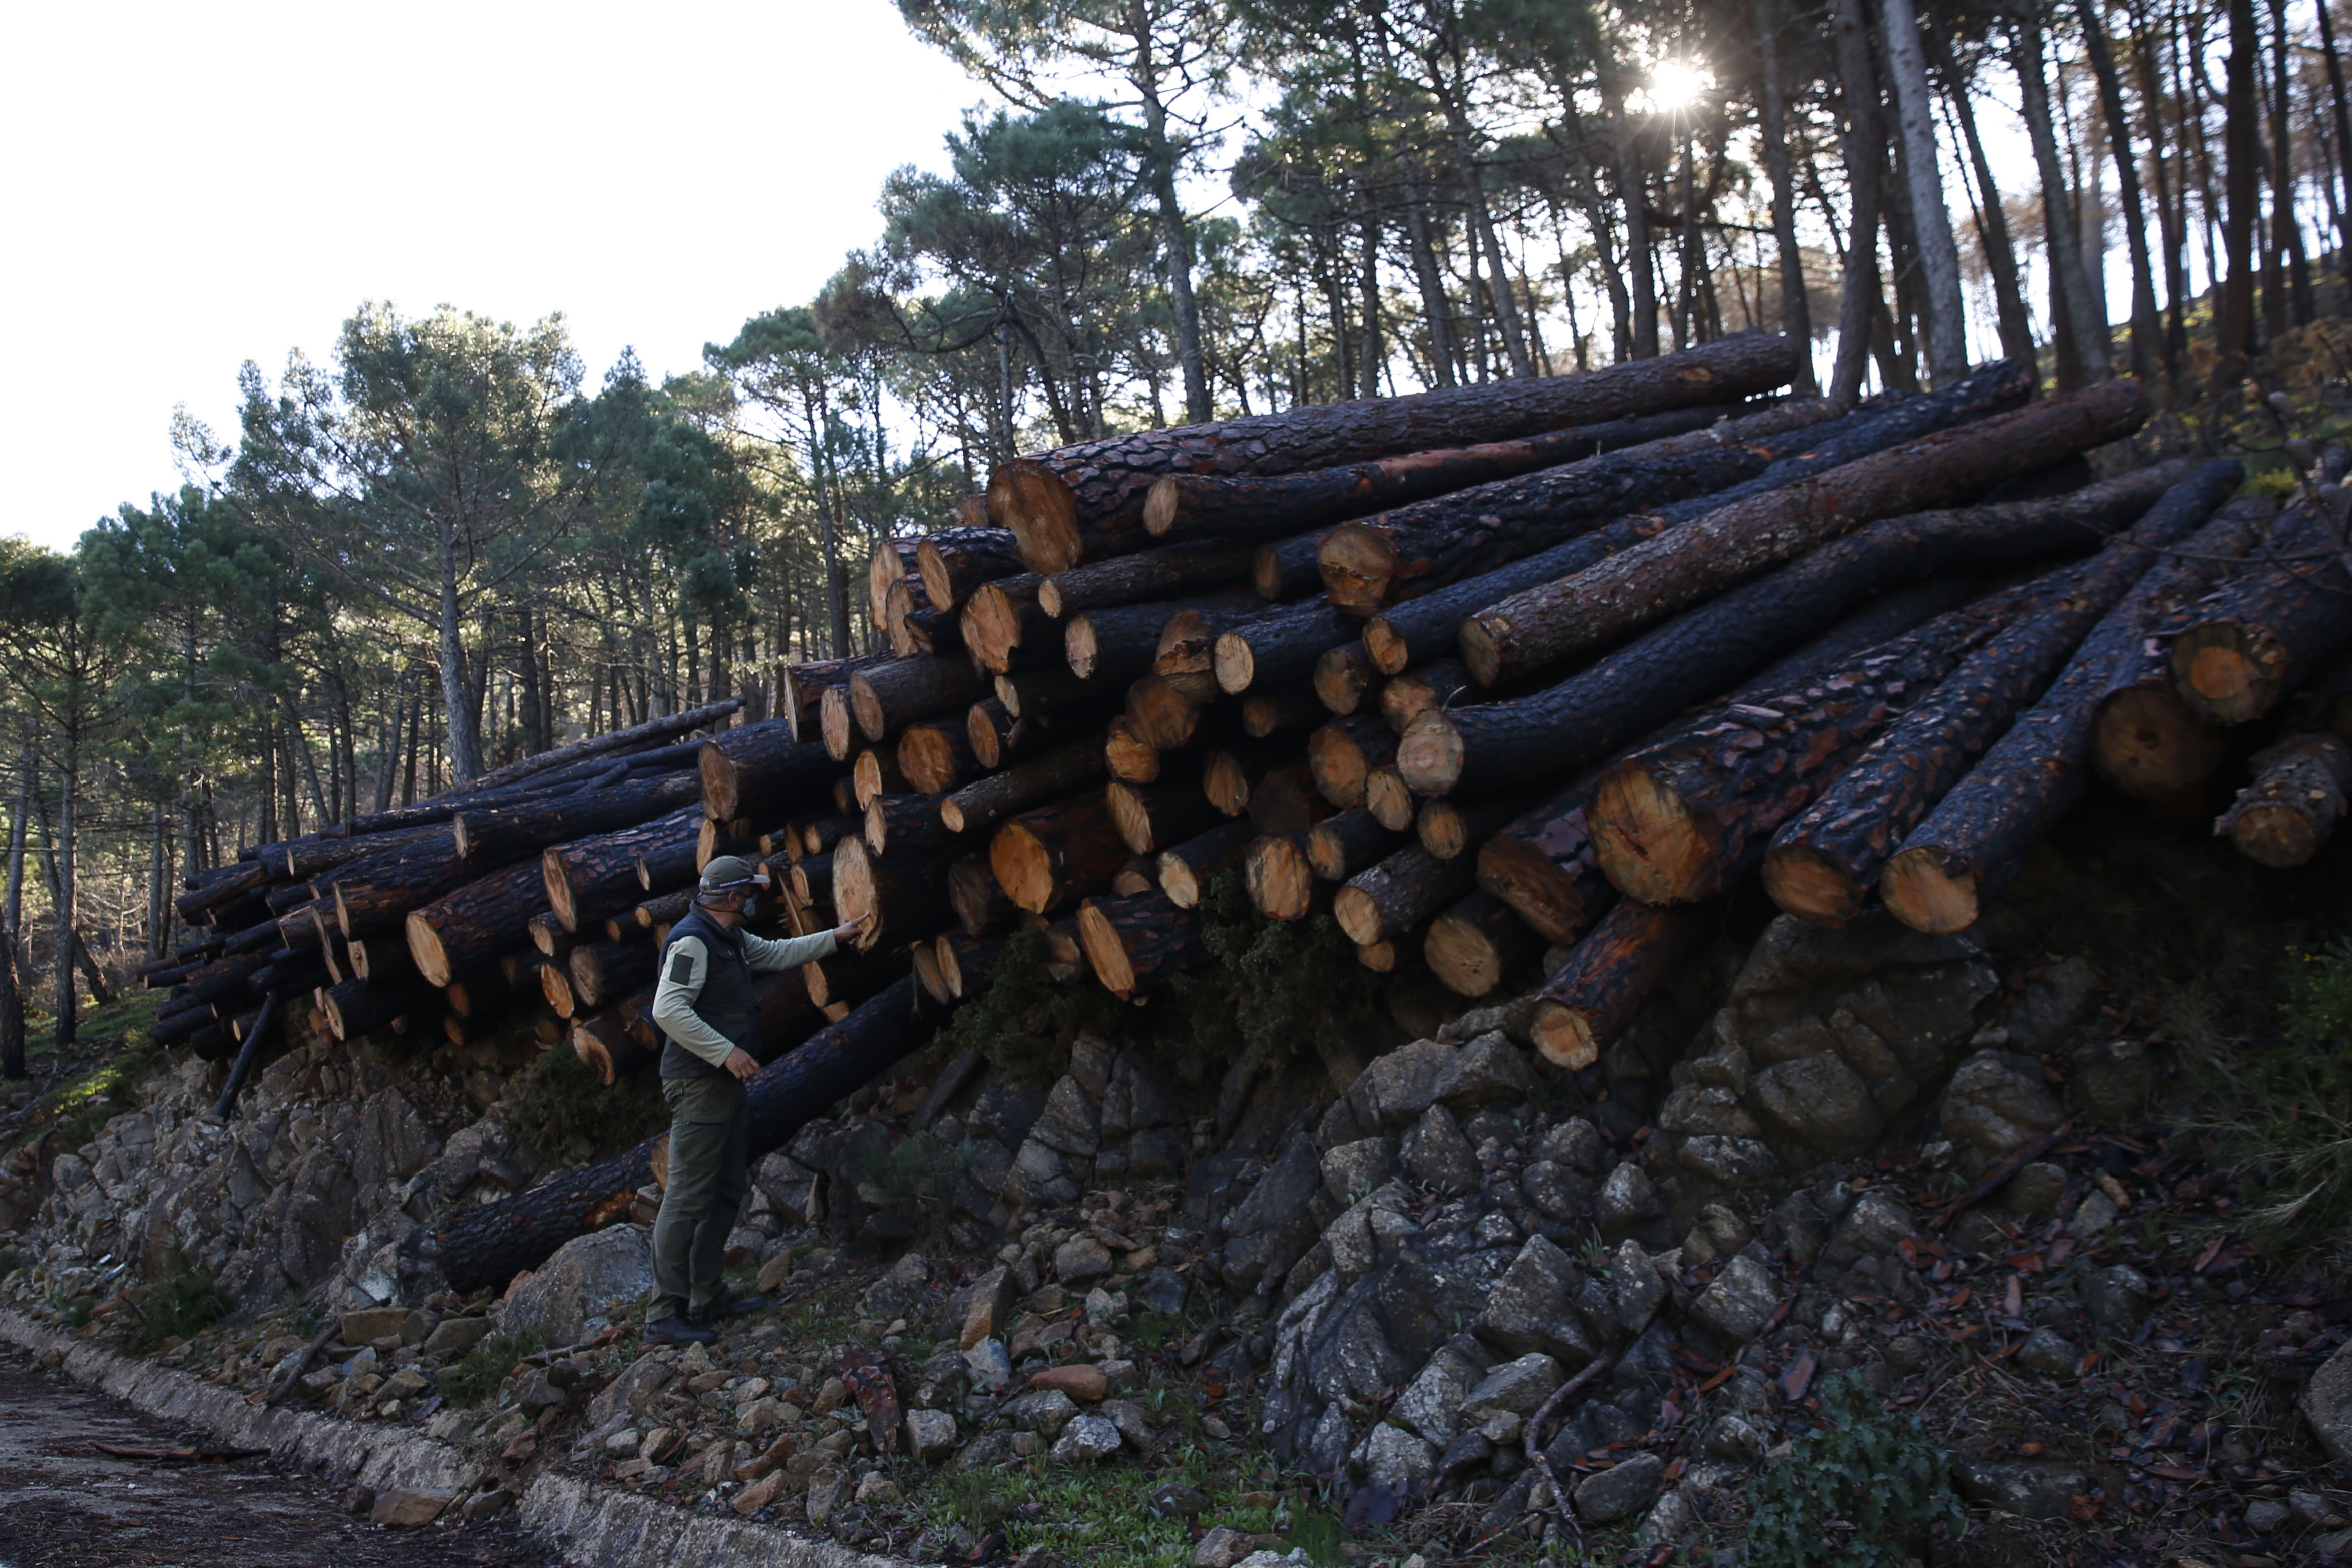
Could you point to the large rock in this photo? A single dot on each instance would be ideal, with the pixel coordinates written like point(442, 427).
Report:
point(1434, 1153)
point(1394, 1457)
point(1485, 1070)
point(1431, 1403)
point(1532, 1308)
point(605, 1275)
point(2110, 1082)
point(1738, 1301)
point(2326, 1404)
point(1404, 1082)
point(1622, 1490)
point(1997, 1103)
point(1517, 1387)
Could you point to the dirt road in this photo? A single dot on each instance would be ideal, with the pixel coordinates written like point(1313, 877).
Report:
point(63, 1504)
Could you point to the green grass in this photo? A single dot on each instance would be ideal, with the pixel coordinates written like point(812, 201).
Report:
point(474, 1378)
point(563, 1108)
point(2286, 1104)
point(181, 1305)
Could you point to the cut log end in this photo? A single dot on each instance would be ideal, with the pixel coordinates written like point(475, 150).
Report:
point(1160, 715)
point(1359, 914)
point(2147, 743)
point(1234, 664)
point(1380, 957)
point(1648, 844)
point(1430, 754)
point(1390, 799)
point(1129, 757)
point(1344, 677)
point(2221, 673)
point(1024, 867)
point(1928, 892)
point(1280, 881)
point(1032, 501)
point(835, 727)
point(2278, 835)
point(1811, 886)
point(1478, 641)
point(1106, 954)
point(1163, 506)
point(1359, 568)
point(1564, 1036)
point(424, 947)
point(951, 815)
point(1384, 646)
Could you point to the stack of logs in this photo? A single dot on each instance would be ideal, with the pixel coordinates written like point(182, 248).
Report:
point(1481, 672)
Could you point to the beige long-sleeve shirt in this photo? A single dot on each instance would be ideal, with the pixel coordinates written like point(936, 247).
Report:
point(681, 986)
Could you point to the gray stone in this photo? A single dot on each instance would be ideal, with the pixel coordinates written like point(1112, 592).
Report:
point(1997, 1103)
point(1133, 1423)
point(1876, 1223)
point(1738, 1301)
point(1622, 1490)
point(631, 1392)
point(1163, 1292)
point(392, 1141)
point(1392, 1456)
point(1174, 1499)
point(2327, 1403)
point(991, 1365)
point(2310, 1509)
point(1351, 1170)
point(2035, 1190)
point(1044, 1411)
point(2117, 1299)
point(2093, 1217)
point(1087, 1440)
point(1434, 1153)
point(1819, 1100)
point(1557, 1191)
point(1531, 1309)
point(1274, 1222)
point(1673, 1517)
point(930, 1435)
point(2064, 997)
point(1071, 1123)
point(1403, 1083)
point(2110, 1082)
point(901, 1290)
point(1519, 1386)
point(1717, 1232)
point(1634, 1286)
point(2027, 1490)
point(2047, 1353)
point(1627, 1198)
point(1576, 1144)
point(1082, 1257)
point(1221, 1548)
point(2266, 1516)
point(453, 1337)
point(1706, 1110)
point(604, 1274)
point(1431, 1402)
point(1734, 1161)
point(1734, 1439)
point(1794, 953)
point(1485, 1071)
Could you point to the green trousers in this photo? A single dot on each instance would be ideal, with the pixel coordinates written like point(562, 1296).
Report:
point(709, 1145)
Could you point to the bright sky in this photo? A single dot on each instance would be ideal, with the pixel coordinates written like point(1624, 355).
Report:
point(188, 187)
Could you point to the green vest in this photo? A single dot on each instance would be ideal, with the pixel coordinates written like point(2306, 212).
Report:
point(727, 1002)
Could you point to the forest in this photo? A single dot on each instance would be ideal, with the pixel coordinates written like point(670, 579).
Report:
point(451, 545)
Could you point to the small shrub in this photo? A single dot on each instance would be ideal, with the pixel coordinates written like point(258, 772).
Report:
point(476, 1375)
point(1272, 986)
point(1861, 1493)
point(1026, 1020)
point(914, 1173)
point(563, 1108)
point(182, 1304)
point(2286, 1122)
point(2317, 1012)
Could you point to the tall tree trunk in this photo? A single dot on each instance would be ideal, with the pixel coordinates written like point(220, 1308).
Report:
point(11, 912)
point(2087, 353)
point(465, 745)
point(2170, 227)
point(1939, 257)
point(1866, 155)
point(1436, 310)
point(1796, 308)
point(2111, 99)
point(1498, 277)
point(12, 1016)
point(1634, 189)
point(67, 787)
point(2341, 103)
point(2233, 315)
point(1373, 353)
point(2286, 233)
point(2016, 326)
point(1176, 229)
point(159, 897)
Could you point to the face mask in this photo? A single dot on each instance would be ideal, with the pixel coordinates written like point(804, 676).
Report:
point(750, 906)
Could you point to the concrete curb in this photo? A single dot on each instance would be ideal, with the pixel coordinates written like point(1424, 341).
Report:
point(595, 1525)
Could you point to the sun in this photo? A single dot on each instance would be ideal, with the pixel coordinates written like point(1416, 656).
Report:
point(1677, 84)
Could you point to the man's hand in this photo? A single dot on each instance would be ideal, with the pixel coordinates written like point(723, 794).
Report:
point(743, 1064)
point(849, 929)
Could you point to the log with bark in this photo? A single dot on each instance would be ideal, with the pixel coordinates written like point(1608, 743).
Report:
point(1185, 657)
point(1185, 871)
point(1959, 860)
point(587, 878)
point(1135, 945)
point(925, 959)
point(606, 1047)
point(760, 770)
point(1680, 821)
point(1346, 842)
point(988, 801)
point(1695, 656)
point(481, 1246)
point(1001, 620)
point(1288, 569)
point(1823, 862)
point(1127, 757)
point(885, 698)
point(936, 755)
point(836, 728)
point(1592, 997)
point(2253, 639)
point(1280, 878)
point(475, 924)
point(664, 865)
point(714, 838)
point(479, 994)
point(1111, 646)
point(900, 898)
point(1047, 859)
point(995, 736)
point(1147, 574)
point(1345, 677)
point(1265, 713)
point(612, 742)
point(955, 561)
point(314, 855)
point(911, 626)
point(1152, 817)
point(1162, 715)
point(2283, 818)
point(1448, 828)
point(1412, 550)
point(1384, 901)
point(875, 772)
point(812, 877)
point(1267, 506)
point(1277, 648)
point(1474, 944)
point(1390, 799)
point(905, 827)
point(800, 702)
point(1648, 582)
point(359, 1008)
point(1049, 690)
point(890, 563)
point(964, 961)
point(1407, 697)
point(1086, 502)
point(606, 971)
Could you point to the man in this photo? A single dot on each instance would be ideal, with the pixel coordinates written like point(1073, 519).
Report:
point(704, 1003)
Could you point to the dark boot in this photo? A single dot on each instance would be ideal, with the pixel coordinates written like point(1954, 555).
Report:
point(678, 1330)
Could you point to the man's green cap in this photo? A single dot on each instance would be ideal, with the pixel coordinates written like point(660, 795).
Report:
point(728, 872)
